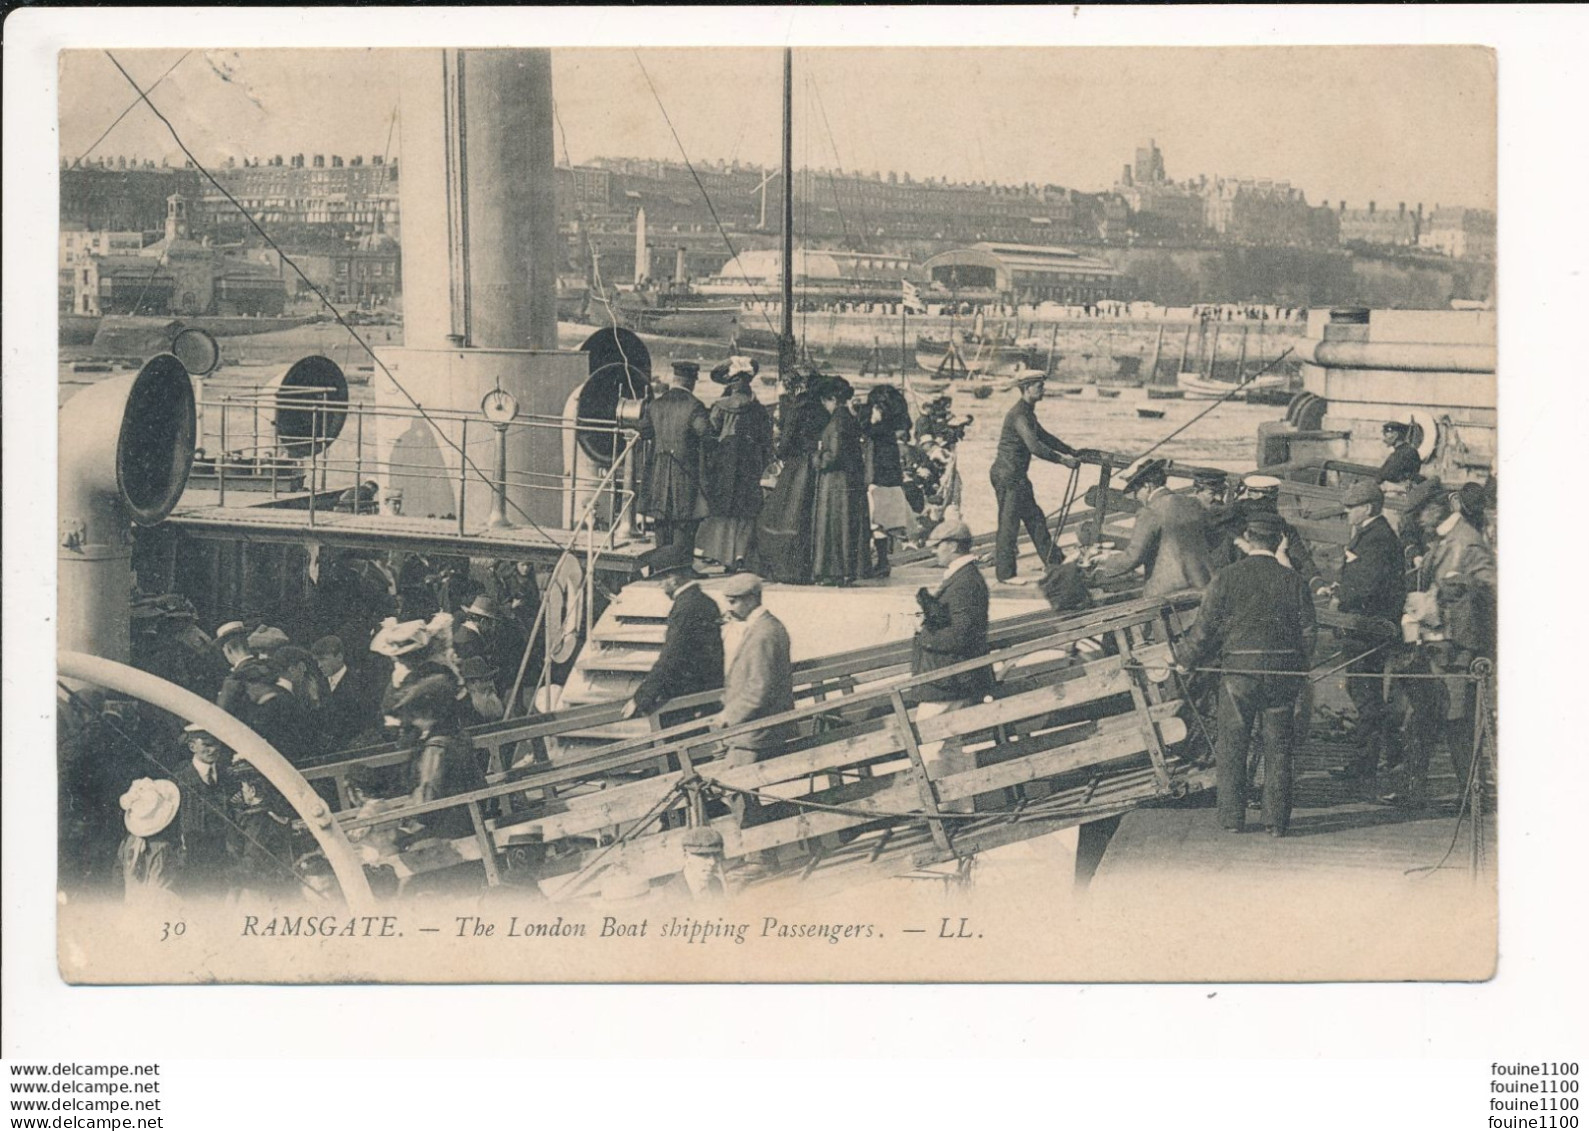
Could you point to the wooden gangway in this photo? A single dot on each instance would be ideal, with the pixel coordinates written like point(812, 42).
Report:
point(1072, 733)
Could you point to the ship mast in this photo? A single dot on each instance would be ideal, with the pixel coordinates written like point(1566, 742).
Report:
point(786, 343)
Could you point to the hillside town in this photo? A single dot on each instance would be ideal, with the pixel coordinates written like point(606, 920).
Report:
point(148, 238)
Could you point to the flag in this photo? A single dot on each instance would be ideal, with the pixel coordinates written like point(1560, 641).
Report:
point(911, 298)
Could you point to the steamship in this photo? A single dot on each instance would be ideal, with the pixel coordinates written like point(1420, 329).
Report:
point(1087, 725)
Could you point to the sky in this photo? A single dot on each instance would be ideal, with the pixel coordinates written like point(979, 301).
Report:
point(1388, 124)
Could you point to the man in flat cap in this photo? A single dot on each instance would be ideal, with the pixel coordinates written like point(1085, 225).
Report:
point(1403, 465)
point(679, 429)
point(1373, 587)
point(1257, 616)
point(702, 874)
point(954, 629)
point(759, 677)
point(1021, 438)
point(1170, 540)
point(692, 650)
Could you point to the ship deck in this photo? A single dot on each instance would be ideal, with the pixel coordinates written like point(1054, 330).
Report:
point(1336, 830)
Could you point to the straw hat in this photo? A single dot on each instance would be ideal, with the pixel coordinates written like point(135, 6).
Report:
point(149, 806)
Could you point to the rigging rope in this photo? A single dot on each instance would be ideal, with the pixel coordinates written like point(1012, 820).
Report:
point(127, 111)
point(164, 773)
point(710, 207)
point(1242, 384)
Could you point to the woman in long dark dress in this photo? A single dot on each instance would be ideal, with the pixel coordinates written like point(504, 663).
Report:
point(743, 428)
point(841, 545)
point(783, 529)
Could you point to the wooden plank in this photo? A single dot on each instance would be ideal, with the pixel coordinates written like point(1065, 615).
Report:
point(488, 854)
point(661, 854)
point(1150, 734)
point(924, 787)
point(1103, 747)
point(1040, 701)
point(629, 802)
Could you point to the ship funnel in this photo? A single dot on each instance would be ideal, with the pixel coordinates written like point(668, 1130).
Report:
point(126, 446)
point(311, 400)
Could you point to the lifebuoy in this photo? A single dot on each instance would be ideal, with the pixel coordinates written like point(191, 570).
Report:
point(1425, 433)
point(564, 602)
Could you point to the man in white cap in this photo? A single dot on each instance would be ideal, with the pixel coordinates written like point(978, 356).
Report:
point(1021, 438)
point(758, 677)
point(1260, 494)
point(954, 629)
point(232, 639)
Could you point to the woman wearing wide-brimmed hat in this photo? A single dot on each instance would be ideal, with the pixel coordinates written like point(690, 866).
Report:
point(150, 854)
point(743, 429)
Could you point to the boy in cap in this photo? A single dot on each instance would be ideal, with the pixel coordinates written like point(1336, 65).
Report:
point(1404, 463)
point(1257, 616)
point(692, 649)
point(701, 876)
point(679, 431)
point(1021, 438)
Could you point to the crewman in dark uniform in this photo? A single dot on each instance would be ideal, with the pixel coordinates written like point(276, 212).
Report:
point(1260, 494)
point(1021, 438)
point(1373, 586)
point(1257, 616)
point(692, 649)
point(1404, 464)
point(680, 431)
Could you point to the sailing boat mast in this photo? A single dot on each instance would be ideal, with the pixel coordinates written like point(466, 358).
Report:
point(786, 343)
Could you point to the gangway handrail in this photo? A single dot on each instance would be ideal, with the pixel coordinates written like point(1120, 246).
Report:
point(683, 737)
point(808, 674)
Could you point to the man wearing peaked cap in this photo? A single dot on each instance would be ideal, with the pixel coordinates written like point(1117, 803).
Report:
point(1372, 586)
point(680, 433)
point(1261, 495)
point(663, 560)
point(1404, 464)
point(692, 649)
point(1171, 540)
point(1021, 438)
point(1257, 617)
